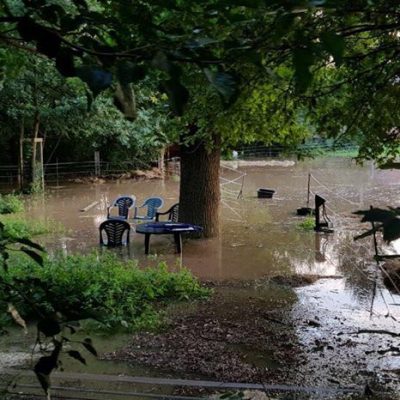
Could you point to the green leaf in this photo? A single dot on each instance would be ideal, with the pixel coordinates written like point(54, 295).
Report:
point(49, 327)
point(124, 99)
point(365, 234)
point(65, 63)
point(30, 243)
point(200, 43)
point(87, 343)
point(128, 72)
point(96, 78)
point(225, 84)
point(303, 58)
point(391, 230)
point(375, 215)
point(178, 95)
point(77, 356)
point(283, 24)
point(32, 254)
point(333, 44)
point(43, 369)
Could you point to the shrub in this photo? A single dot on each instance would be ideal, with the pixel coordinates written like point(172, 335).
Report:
point(19, 226)
point(10, 204)
point(307, 224)
point(100, 287)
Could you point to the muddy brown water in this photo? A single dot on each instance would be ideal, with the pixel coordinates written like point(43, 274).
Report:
point(260, 239)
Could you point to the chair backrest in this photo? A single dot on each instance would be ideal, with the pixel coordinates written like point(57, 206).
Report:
point(152, 204)
point(124, 203)
point(114, 230)
point(174, 213)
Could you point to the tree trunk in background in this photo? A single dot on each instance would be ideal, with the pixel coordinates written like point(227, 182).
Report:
point(199, 186)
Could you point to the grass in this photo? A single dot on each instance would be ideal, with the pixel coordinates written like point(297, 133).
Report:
point(112, 293)
point(350, 153)
point(20, 226)
point(308, 224)
point(10, 204)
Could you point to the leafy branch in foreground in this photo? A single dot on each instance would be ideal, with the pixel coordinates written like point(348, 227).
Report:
point(112, 293)
point(48, 324)
point(387, 221)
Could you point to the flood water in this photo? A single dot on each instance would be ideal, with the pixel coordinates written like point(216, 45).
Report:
point(261, 238)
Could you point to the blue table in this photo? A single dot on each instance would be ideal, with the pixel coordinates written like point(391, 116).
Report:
point(166, 228)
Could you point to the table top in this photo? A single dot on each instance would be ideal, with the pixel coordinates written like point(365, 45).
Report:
point(167, 227)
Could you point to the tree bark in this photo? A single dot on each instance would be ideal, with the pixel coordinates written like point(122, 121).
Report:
point(199, 186)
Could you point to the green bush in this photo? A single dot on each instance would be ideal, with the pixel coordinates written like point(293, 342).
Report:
point(101, 287)
point(307, 224)
point(10, 204)
point(19, 226)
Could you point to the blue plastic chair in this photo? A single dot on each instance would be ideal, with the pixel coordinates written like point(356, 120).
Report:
point(124, 205)
point(153, 204)
point(172, 214)
point(114, 232)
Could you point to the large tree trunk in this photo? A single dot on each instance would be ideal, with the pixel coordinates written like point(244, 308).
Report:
point(199, 186)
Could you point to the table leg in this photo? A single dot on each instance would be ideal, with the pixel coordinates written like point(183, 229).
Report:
point(177, 237)
point(146, 243)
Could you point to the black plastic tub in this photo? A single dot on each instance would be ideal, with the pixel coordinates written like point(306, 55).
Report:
point(304, 211)
point(265, 193)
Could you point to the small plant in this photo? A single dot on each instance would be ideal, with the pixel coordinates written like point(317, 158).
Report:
point(10, 204)
point(307, 224)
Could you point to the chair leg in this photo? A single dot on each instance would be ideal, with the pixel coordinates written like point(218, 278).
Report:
point(146, 243)
point(178, 242)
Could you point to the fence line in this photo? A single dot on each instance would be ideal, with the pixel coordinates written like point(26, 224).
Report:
point(9, 174)
point(64, 170)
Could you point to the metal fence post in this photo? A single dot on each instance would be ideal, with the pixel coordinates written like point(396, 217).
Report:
point(97, 163)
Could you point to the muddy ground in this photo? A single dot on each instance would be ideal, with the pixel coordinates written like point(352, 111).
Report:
point(248, 333)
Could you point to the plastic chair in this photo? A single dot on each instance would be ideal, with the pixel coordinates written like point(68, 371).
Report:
point(124, 205)
point(152, 204)
point(114, 231)
point(173, 214)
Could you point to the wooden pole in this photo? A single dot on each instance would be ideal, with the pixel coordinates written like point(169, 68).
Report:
point(21, 156)
point(308, 190)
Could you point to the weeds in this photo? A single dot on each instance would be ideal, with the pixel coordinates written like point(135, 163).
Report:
point(10, 204)
point(19, 226)
point(308, 224)
point(111, 292)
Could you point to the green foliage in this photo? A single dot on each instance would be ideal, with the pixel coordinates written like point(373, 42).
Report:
point(20, 226)
point(262, 114)
point(114, 293)
point(11, 203)
point(308, 224)
point(384, 220)
point(72, 130)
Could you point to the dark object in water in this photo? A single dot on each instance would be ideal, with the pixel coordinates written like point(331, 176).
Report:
point(322, 221)
point(304, 211)
point(265, 193)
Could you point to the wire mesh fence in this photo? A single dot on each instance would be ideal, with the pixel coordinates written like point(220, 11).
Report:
point(261, 151)
point(57, 172)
